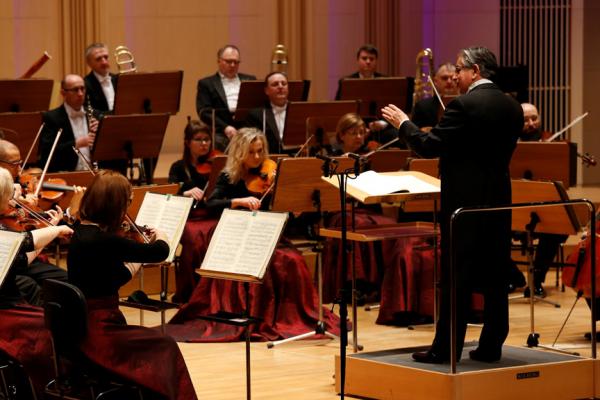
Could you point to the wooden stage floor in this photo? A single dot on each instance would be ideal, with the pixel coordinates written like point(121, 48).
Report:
point(305, 369)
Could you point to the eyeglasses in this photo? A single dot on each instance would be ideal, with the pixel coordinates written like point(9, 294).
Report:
point(232, 62)
point(356, 133)
point(16, 163)
point(75, 89)
point(202, 140)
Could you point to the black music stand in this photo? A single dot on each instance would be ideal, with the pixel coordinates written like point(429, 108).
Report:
point(129, 136)
point(295, 132)
point(549, 161)
point(25, 95)
point(376, 93)
point(557, 220)
point(252, 95)
point(21, 130)
point(148, 93)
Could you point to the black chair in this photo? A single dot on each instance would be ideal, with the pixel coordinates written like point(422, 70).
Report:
point(14, 381)
point(65, 315)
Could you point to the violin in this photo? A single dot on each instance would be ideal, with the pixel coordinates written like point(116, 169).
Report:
point(23, 218)
point(259, 181)
point(204, 167)
point(137, 233)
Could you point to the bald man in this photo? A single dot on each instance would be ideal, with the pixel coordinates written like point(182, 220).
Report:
point(532, 128)
point(77, 130)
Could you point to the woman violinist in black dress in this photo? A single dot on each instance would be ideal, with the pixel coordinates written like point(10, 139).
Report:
point(100, 261)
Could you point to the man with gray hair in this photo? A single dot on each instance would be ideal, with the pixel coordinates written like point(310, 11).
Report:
point(474, 140)
point(219, 92)
point(99, 83)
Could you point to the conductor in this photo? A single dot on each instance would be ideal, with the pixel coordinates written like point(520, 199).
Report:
point(474, 140)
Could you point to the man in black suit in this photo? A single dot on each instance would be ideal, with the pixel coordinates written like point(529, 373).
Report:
point(220, 92)
point(100, 84)
point(77, 131)
point(427, 112)
point(475, 140)
point(274, 111)
point(366, 62)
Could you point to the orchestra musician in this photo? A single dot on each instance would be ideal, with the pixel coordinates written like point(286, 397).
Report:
point(219, 92)
point(23, 335)
point(29, 279)
point(286, 300)
point(139, 354)
point(77, 132)
point(350, 135)
point(366, 63)
point(192, 172)
point(276, 89)
point(475, 140)
point(100, 83)
point(427, 112)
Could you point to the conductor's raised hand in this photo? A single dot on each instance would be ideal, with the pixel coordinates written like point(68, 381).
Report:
point(394, 115)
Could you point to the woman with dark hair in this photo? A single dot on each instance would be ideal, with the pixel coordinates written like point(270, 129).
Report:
point(23, 335)
point(100, 261)
point(192, 173)
point(286, 300)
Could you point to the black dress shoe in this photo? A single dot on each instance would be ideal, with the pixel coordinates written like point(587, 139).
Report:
point(538, 291)
point(429, 357)
point(484, 356)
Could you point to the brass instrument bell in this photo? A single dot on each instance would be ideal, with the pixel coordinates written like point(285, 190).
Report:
point(424, 75)
point(279, 60)
point(124, 59)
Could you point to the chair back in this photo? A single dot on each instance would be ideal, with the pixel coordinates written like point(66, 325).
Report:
point(65, 316)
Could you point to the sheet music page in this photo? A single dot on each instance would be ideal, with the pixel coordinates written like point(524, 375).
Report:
point(243, 242)
point(167, 213)
point(375, 184)
point(10, 242)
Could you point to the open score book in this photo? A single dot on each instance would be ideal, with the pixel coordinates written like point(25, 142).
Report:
point(243, 244)
point(10, 243)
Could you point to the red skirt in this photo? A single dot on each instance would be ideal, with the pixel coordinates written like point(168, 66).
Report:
point(370, 261)
point(24, 337)
point(141, 355)
point(194, 243)
point(286, 301)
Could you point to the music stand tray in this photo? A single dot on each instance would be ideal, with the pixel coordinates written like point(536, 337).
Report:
point(252, 95)
point(148, 92)
point(21, 129)
point(25, 95)
point(124, 137)
point(377, 93)
point(294, 133)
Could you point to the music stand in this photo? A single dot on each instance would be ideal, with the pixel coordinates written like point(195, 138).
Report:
point(118, 134)
point(549, 161)
point(390, 160)
point(295, 131)
point(252, 95)
point(25, 95)
point(557, 220)
point(148, 93)
point(25, 126)
point(376, 93)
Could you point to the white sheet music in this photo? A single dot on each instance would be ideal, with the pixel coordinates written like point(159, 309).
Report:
point(10, 242)
point(243, 242)
point(375, 184)
point(167, 213)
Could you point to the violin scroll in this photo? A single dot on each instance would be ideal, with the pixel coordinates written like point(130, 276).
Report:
point(587, 159)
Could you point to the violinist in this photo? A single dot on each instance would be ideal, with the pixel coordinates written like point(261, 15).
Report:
point(271, 117)
point(286, 301)
point(532, 129)
point(99, 262)
point(78, 130)
point(193, 170)
point(350, 134)
point(10, 159)
point(248, 173)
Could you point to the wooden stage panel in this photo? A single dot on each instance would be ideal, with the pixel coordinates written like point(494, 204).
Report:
point(523, 374)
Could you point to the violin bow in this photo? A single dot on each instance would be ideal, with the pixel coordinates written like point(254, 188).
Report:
point(437, 94)
point(563, 130)
point(304, 145)
point(43, 176)
point(31, 148)
point(383, 146)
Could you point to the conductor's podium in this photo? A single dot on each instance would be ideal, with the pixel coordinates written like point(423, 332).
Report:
point(522, 373)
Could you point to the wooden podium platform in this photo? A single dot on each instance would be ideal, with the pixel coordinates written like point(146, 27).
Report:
point(522, 373)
